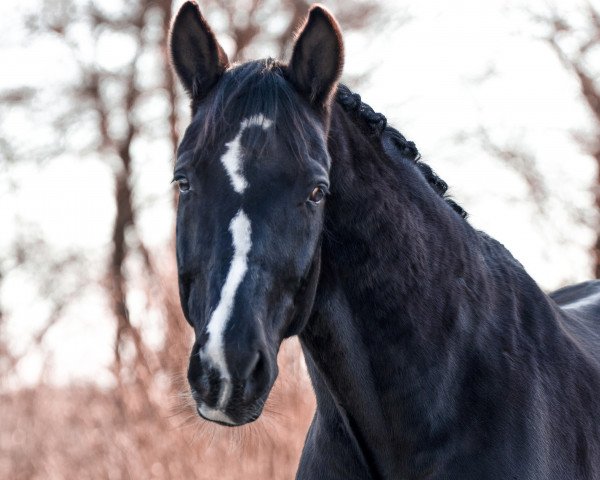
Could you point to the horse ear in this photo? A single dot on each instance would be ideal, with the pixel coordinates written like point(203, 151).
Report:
point(318, 57)
point(196, 55)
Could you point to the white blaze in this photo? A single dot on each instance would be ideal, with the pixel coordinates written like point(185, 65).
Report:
point(241, 233)
point(232, 158)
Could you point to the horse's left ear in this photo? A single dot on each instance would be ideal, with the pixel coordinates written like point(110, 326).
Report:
point(318, 57)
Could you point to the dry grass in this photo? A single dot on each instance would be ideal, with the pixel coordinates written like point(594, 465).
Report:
point(83, 432)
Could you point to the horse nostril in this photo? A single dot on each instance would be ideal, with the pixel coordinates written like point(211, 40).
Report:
point(257, 376)
point(200, 386)
point(247, 374)
point(202, 340)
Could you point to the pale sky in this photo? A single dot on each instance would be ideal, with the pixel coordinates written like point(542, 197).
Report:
point(427, 79)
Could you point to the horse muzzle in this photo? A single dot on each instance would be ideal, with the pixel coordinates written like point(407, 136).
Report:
point(234, 395)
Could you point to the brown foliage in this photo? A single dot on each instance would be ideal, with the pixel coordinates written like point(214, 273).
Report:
point(85, 432)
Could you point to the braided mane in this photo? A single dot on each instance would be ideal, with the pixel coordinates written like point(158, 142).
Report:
point(352, 103)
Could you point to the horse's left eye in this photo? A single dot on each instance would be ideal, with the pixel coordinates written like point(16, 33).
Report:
point(317, 195)
point(184, 185)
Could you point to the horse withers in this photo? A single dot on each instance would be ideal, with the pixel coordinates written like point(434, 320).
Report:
point(431, 351)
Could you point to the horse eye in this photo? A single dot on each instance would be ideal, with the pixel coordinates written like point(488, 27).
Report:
point(316, 195)
point(184, 185)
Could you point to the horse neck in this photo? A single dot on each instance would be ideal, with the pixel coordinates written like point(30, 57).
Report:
point(406, 294)
point(396, 245)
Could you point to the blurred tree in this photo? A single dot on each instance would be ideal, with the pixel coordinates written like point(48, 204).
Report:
point(575, 39)
point(578, 49)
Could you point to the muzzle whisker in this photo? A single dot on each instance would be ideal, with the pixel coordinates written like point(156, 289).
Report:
point(187, 422)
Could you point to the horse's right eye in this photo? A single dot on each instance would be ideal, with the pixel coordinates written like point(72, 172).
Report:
point(184, 185)
point(317, 195)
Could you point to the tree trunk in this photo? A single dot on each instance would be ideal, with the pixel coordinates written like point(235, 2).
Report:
point(596, 246)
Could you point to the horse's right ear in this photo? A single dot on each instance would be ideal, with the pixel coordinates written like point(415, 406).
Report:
point(196, 55)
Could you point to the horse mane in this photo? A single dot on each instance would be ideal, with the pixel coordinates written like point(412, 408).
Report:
point(377, 122)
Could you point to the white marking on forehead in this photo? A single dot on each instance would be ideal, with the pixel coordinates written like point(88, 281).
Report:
point(232, 158)
point(257, 120)
point(241, 233)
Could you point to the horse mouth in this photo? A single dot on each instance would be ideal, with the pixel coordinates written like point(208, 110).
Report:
point(224, 419)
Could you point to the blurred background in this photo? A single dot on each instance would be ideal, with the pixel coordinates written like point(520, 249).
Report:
point(501, 97)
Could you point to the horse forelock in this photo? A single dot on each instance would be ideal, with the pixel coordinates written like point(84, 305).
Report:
point(250, 90)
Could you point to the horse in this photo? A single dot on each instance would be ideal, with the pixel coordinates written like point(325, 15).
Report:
point(432, 353)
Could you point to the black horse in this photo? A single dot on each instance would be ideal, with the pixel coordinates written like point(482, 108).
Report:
point(431, 351)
